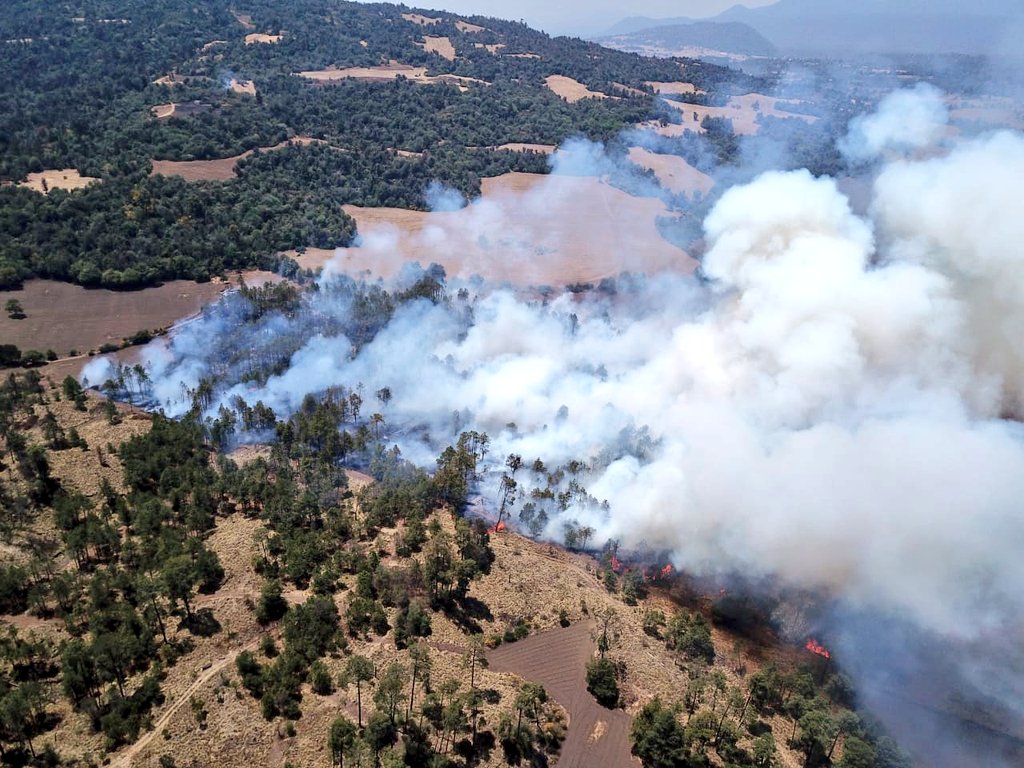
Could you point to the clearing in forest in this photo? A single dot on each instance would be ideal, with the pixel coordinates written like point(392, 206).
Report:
point(423, 21)
point(674, 173)
point(391, 71)
point(743, 111)
point(258, 37)
point(216, 170)
point(465, 26)
point(571, 90)
point(526, 229)
point(61, 178)
point(442, 46)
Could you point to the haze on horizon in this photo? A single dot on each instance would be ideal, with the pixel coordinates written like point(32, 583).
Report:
point(585, 17)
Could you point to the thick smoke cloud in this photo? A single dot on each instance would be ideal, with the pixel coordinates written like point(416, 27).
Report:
point(826, 410)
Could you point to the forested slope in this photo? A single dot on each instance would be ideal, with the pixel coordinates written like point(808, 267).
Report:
point(81, 81)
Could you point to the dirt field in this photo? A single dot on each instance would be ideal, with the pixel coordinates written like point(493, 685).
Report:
point(527, 229)
point(63, 178)
point(677, 88)
point(258, 37)
point(571, 90)
point(423, 21)
point(214, 170)
point(619, 87)
point(598, 737)
point(495, 48)
point(442, 46)
point(465, 26)
point(743, 111)
point(62, 316)
point(674, 173)
point(390, 71)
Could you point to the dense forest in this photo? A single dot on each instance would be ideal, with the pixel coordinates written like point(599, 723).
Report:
point(79, 82)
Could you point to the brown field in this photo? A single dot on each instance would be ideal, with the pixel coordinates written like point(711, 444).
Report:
point(989, 111)
point(571, 90)
point(259, 37)
point(494, 48)
point(598, 737)
point(63, 178)
point(423, 21)
point(674, 173)
point(465, 26)
point(164, 111)
point(743, 111)
point(442, 46)
point(527, 229)
point(62, 316)
point(213, 43)
point(215, 170)
point(544, 149)
point(391, 71)
point(677, 88)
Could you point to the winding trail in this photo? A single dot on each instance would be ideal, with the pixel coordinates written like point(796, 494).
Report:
point(127, 758)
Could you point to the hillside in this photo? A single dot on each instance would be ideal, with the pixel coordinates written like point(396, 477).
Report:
point(361, 104)
point(167, 605)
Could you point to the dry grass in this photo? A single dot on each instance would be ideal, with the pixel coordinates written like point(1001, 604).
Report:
point(442, 46)
point(62, 178)
point(62, 316)
point(570, 230)
point(674, 173)
point(465, 26)
point(493, 48)
point(423, 21)
point(391, 71)
point(571, 90)
point(676, 88)
point(743, 111)
point(258, 37)
point(217, 170)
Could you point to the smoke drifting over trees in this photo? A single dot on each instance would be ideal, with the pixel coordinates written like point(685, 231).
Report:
point(828, 408)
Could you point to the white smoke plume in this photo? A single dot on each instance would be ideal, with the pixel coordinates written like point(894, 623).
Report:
point(905, 120)
point(828, 409)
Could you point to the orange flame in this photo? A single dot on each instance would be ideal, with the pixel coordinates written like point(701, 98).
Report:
point(498, 528)
point(616, 564)
point(666, 571)
point(816, 648)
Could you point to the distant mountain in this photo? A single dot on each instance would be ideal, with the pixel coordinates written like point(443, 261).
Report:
point(841, 27)
point(727, 37)
point(633, 24)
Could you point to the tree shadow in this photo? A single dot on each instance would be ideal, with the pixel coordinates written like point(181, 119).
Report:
point(202, 623)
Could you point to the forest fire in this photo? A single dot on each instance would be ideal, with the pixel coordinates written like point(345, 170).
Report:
point(817, 649)
point(498, 528)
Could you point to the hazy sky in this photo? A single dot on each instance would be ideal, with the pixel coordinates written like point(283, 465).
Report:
point(582, 17)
